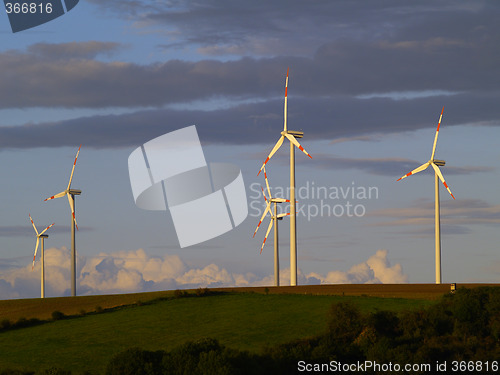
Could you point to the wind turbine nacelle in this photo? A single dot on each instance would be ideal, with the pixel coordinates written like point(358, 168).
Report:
point(439, 163)
point(296, 133)
point(44, 236)
point(75, 191)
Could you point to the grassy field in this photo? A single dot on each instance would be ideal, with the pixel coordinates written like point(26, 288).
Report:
point(248, 321)
point(42, 308)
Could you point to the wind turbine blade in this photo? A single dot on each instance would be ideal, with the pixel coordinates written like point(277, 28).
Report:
point(264, 194)
point(268, 209)
point(61, 194)
point(33, 224)
point(267, 184)
point(267, 234)
point(436, 137)
point(281, 200)
point(440, 175)
point(46, 229)
point(72, 205)
point(286, 101)
point(416, 170)
point(273, 151)
point(73, 170)
point(36, 248)
point(283, 215)
point(292, 139)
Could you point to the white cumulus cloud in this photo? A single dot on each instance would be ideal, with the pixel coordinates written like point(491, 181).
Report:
point(137, 271)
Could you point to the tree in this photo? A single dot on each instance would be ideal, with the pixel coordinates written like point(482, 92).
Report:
point(136, 361)
point(344, 322)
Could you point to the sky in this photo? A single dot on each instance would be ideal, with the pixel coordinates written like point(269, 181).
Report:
point(367, 83)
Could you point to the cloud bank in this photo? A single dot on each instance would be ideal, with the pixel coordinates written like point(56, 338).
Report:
point(356, 69)
point(136, 271)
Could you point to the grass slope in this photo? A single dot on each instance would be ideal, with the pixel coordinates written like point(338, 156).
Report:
point(42, 308)
point(247, 321)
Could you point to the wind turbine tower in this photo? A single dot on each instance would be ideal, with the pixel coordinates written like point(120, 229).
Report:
point(71, 193)
point(274, 221)
point(435, 163)
point(41, 236)
point(291, 135)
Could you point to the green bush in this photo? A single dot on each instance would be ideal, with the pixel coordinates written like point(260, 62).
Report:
point(136, 361)
point(470, 313)
point(23, 323)
point(385, 323)
point(56, 371)
point(58, 315)
point(344, 322)
point(5, 324)
point(184, 359)
point(201, 292)
point(208, 357)
point(180, 293)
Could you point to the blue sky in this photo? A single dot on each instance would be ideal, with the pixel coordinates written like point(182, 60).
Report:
point(367, 84)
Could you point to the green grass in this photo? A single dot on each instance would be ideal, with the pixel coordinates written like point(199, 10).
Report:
point(244, 321)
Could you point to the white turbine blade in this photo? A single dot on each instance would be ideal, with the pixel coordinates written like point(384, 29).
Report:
point(267, 234)
point(263, 194)
point(72, 205)
point(436, 137)
point(34, 227)
point(61, 194)
point(281, 200)
point(416, 170)
point(292, 139)
point(440, 175)
point(283, 215)
point(286, 101)
point(46, 229)
point(273, 151)
point(267, 184)
point(268, 209)
point(73, 170)
point(36, 248)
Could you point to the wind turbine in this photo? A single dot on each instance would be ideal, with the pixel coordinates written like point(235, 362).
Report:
point(274, 220)
point(291, 135)
point(70, 193)
point(39, 236)
point(435, 163)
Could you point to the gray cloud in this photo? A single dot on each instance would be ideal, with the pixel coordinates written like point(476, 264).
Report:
point(260, 122)
point(448, 51)
point(456, 216)
point(73, 50)
point(14, 262)
point(423, 47)
point(15, 231)
point(38, 78)
point(27, 230)
point(37, 81)
point(429, 231)
point(385, 166)
point(293, 27)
